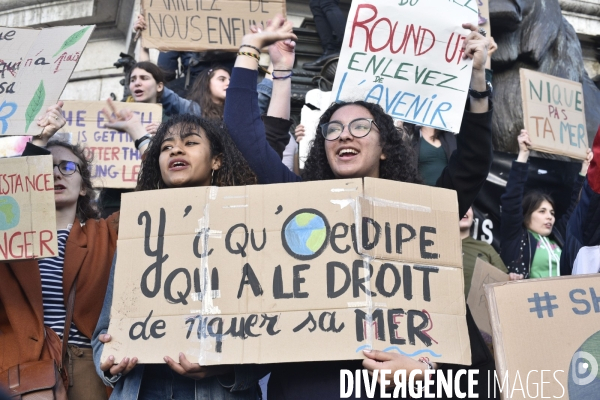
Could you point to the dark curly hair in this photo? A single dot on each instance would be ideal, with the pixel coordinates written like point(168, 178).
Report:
point(234, 170)
point(400, 163)
point(85, 206)
point(200, 93)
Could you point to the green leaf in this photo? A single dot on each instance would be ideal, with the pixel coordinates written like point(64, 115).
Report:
point(71, 40)
point(35, 105)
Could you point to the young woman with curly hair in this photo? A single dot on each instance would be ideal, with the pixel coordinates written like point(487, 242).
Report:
point(187, 151)
point(34, 292)
point(356, 140)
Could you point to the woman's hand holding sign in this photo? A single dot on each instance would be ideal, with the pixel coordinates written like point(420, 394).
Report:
point(195, 370)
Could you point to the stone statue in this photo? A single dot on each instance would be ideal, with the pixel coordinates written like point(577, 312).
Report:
point(533, 34)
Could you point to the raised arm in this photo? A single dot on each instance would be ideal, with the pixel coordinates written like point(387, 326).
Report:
point(561, 224)
point(242, 114)
point(173, 104)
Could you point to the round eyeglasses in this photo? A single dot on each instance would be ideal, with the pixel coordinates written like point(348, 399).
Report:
point(67, 167)
point(358, 128)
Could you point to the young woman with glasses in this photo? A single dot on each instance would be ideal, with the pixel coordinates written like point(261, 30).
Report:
point(34, 293)
point(356, 140)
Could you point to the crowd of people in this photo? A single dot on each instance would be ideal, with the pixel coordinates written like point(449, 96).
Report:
point(232, 131)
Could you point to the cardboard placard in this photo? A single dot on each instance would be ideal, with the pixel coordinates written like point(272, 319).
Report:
point(407, 59)
point(483, 274)
point(271, 274)
point(27, 211)
point(554, 114)
point(547, 337)
point(116, 161)
point(35, 66)
point(204, 24)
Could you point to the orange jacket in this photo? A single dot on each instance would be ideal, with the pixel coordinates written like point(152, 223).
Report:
point(88, 255)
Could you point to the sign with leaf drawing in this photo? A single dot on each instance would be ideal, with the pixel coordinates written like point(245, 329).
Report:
point(35, 66)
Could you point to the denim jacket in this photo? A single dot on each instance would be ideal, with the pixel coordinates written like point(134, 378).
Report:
point(243, 387)
point(173, 104)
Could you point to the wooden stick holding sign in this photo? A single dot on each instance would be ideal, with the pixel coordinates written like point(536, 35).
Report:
point(204, 24)
point(554, 114)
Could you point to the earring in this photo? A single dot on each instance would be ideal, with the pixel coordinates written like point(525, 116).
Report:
point(212, 177)
point(158, 184)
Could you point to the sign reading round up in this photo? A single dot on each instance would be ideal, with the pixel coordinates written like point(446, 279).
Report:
point(289, 272)
point(27, 211)
point(408, 59)
point(554, 114)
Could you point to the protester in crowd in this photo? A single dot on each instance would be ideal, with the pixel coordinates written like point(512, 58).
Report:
point(433, 148)
point(530, 238)
point(329, 19)
point(34, 293)
point(206, 156)
point(358, 140)
point(209, 91)
point(474, 249)
point(581, 253)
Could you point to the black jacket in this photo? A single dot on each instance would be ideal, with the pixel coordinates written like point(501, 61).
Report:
point(517, 244)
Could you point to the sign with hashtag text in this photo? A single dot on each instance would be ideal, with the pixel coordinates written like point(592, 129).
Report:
point(551, 327)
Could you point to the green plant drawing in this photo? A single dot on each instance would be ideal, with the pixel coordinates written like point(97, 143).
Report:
point(35, 105)
point(71, 40)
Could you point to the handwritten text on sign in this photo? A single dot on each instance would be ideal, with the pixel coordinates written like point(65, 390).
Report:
point(35, 66)
point(116, 160)
point(27, 216)
point(408, 59)
point(204, 24)
point(233, 275)
point(554, 114)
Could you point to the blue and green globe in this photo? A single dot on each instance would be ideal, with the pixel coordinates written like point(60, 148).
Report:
point(305, 234)
point(10, 213)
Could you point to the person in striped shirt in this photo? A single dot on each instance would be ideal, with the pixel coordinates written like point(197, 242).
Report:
point(34, 292)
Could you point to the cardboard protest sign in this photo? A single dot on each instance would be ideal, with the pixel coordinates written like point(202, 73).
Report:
point(204, 24)
point(276, 273)
point(408, 59)
point(554, 114)
point(116, 160)
point(27, 216)
point(547, 337)
point(35, 66)
point(483, 274)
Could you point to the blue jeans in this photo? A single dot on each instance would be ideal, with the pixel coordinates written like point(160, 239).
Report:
point(329, 19)
point(160, 382)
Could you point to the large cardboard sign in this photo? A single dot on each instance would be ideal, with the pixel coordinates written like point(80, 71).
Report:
point(289, 272)
point(116, 160)
point(204, 24)
point(35, 66)
point(408, 59)
point(27, 212)
point(483, 274)
point(547, 337)
point(554, 114)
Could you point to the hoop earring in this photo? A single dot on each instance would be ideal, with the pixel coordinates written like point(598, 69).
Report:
point(212, 178)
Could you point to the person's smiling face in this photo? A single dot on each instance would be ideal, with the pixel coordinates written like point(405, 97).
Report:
point(351, 157)
point(185, 158)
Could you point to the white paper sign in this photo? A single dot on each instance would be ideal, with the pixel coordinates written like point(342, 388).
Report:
point(407, 57)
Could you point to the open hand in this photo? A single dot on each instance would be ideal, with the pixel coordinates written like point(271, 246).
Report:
point(123, 368)
point(277, 29)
